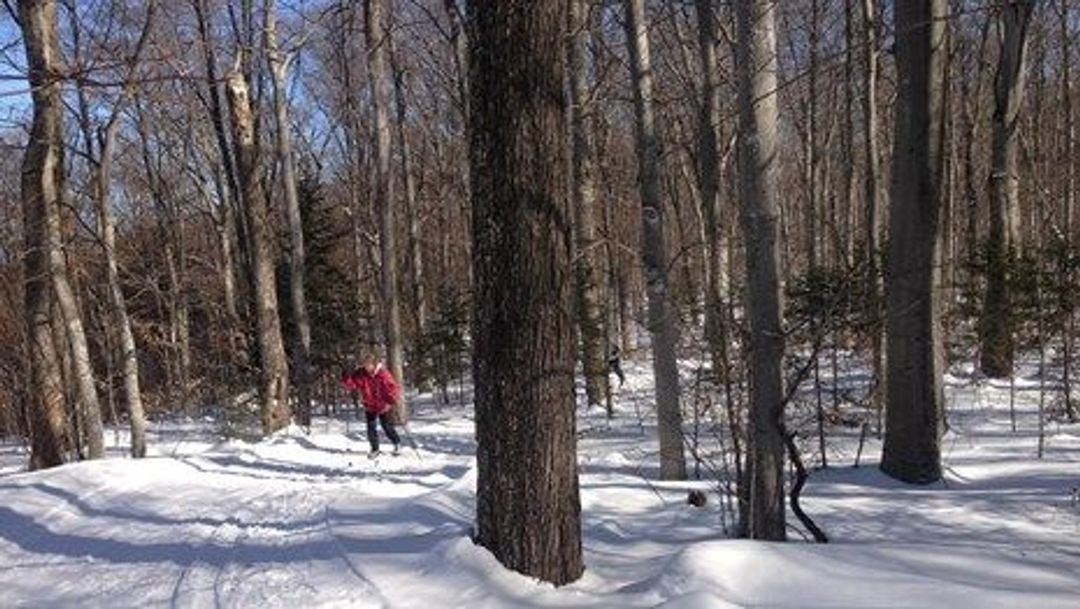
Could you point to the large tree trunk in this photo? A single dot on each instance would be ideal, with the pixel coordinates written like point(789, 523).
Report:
point(528, 508)
point(660, 320)
point(758, 169)
point(912, 450)
point(66, 303)
point(590, 289)
point(378, 41)
point(41, 189)
point(996, 325)
point(279, 67)
point(274, 369)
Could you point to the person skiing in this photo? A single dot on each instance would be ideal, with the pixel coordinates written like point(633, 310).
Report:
point(379, 392)
point(615, 363)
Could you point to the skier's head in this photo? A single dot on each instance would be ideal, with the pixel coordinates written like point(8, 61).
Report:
point(368, 361)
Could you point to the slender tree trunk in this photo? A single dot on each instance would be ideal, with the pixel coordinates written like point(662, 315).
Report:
point(872, 203)
point(660, 320)
point(756, 63)
point(229, 192)
point(847, 141)
point(101, 180)
point(912, 450)
point(1067, 299)
point(378, 40)
point(996, 324)
point(708, 174)
point(129, 360)
point(459, 43)
point(590, 287)
point(412, 205)
point(528, 508)
point(814, 222)
point(85, 386)
point(279, 67)
point(274, 369)
point(40, 190)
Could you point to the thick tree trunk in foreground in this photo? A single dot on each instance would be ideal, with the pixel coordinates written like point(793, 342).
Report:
point(273, 366)
point(528, 509)
point(382, 91)
point(41, 189)
point(912, 450)
point(757, 65)
point(660, 321)
point(996, 325)
point(52, 194)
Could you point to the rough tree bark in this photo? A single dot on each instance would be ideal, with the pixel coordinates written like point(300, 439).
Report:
point(378, 35)
point(654, 256)
point(912, 451)
point(756, 63)
point(996, 326)
point(279, 67)
point(528, 507)
point(41, 168)
point(273, 366)
point(590, 289)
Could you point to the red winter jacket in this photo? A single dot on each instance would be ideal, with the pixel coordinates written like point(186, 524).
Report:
point(378, 390)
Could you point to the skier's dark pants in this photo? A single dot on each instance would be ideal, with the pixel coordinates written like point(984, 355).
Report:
point(616, 367)
point(387, 426)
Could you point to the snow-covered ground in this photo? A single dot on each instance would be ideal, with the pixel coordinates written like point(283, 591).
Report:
point(308, 521)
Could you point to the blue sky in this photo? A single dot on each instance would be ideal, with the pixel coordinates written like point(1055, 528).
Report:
point(14, 95)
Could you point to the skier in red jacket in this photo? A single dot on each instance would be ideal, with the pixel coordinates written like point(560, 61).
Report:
point(379, 392)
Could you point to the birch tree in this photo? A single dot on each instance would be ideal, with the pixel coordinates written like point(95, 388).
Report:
point(101, 176)
point(654, 256)
point(756, 63)
point(273, 366)
point(41, 187)
point(590, 289)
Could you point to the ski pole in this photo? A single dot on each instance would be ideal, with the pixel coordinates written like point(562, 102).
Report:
point(412, 442)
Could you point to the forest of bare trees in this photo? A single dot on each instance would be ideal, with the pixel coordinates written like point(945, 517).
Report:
point(211, 207)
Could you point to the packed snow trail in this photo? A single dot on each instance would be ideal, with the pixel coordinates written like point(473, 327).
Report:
point(309, 521)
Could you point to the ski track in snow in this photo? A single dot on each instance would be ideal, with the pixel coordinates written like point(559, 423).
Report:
point(304, 520)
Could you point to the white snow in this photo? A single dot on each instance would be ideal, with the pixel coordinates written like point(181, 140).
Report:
point(309, 521)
